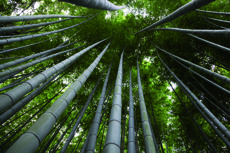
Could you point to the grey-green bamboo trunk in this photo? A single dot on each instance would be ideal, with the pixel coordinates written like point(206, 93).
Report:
point(11, 40)
point(20, 68)
point(193, 119)
point(21, 60)
point(14, 49)
point(211, 82)
point(33, 137)
point(213, 33)
point(28, 26)
point(83, 110)
point(113, 137)
point(215, 121)
point(97, 119)
point(11, 97)
point(212, 44)
point(148, 137)
point(190, 6)
point(96, 4)
point(213, 19)
point(204, 70)
point(8, 19)
point(131, 138)
point(213, 12)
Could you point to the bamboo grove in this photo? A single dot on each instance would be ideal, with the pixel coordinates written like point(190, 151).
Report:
point(114, 76)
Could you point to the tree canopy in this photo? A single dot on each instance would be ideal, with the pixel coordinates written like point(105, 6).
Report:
point(178, 122)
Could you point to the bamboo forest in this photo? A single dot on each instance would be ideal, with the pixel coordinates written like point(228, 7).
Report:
point(114, 76)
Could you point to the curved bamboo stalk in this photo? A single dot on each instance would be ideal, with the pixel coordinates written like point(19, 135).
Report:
point(131, 138)
point(206, 118)
point(211, 82)
point(10, 112)
point(190, 6)
point(9, 19)
point(72, 133)
point(113, 137)
point(9, 73)
point(11, 97)
point(97, 4)
point(13, 49)
point(12, 36)
point(222, 27)
point(213, 12)
point(227, 111)
point(29, 64)
point(204, 70)
point(21, 60)
point(193, 119)
point(215, 121)
point(213, 33)
point(213, 19)
point(28, 26)
point(148, 137)
point(97, 119)
point(32, 138)
point(16, 57)
point(11, 40)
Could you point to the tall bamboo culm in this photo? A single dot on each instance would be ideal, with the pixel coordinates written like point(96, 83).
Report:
point(9, 19)
point(11, 97)
point(113, 137)
point(97, 119)
point(33, 137)
point(148, 137)
point(209, 114)
point(190, 6)
point(131, 138)
point(83, 110)
point(96, 4)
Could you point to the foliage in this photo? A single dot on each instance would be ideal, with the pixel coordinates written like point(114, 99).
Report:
point(177, 131)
